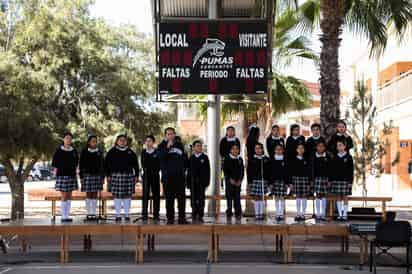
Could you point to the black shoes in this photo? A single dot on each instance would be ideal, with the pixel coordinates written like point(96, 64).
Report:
point(300, 218)
point(260, 218)
point(182, 222)
point(118, 219)
point(91, 218)
point(67, 220)
point(342, 219)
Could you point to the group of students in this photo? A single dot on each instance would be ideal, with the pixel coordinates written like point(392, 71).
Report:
point(120, 168)
point(296, 167)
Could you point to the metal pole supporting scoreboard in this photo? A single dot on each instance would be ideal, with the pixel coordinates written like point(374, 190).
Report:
point(213, 132)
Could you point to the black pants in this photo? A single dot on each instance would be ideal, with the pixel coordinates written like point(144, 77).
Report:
point(174, 187)
point(151, 184)
point(233, 198)
point(197, 200)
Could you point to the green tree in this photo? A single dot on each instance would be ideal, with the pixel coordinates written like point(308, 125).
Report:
point(369, 146)
point(371, 19)
point(60, 68)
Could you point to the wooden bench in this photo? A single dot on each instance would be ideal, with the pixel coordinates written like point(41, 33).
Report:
point(247, 229)
point(214, 230)
point(53, 196)
point(150, 230)
point(327, 229)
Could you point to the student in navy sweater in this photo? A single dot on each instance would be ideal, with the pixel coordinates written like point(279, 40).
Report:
point(151, 178)
point(234, 172)
point(279, 180)
point(173, 164)
point(224, 149)
point(91, 175)
point(227, 142)
point(341, 177)
point(259, 169)
point(299, 174)
point(65, 161)
point(313, 140)
point(122, 174)
point(340, 135)
point(321, 163)
point(293, 141)
point(273, 140)
point(198, 179)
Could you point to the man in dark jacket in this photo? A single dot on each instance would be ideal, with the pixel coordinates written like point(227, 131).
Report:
point(172, 165)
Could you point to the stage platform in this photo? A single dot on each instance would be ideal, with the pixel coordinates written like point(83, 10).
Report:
point(213, 229)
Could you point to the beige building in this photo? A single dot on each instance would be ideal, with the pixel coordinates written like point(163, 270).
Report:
point(389, 79)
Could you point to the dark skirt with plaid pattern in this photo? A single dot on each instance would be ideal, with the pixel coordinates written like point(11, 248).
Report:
point(92, 183)
point(66, 183)
point(122, 184)
point(300, 186)
point(341, 188)
point(321, 186)
point(258, 187)
point(279, 188)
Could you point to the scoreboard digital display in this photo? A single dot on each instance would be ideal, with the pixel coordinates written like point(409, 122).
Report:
point(213, 57)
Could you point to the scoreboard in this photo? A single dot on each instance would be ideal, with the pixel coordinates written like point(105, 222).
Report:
point(213, 57)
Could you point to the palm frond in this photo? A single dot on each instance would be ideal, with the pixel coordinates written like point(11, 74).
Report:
point(371, 19)
point(288, 93)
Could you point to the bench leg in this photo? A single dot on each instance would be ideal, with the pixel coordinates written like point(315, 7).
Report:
point(287, 251)
point(383, 210)
point(64, 249)
point(153, 242)
point(104, 208)
point(210, 249)
point(53, 210)
point(24, 245)
point(216, 247)
point(87, 243)
point(140, 240)
point(363, 252)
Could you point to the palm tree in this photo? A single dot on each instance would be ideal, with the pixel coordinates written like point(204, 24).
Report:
point(371, 19)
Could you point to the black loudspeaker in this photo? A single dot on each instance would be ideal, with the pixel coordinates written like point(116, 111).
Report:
point(364, 213)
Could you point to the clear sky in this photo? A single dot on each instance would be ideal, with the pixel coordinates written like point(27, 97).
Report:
point(138, 12)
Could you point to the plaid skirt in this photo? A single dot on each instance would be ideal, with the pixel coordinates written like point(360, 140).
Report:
point(321, 186)
point(341, 188)
point(122, 184)
point(256, 188)
point(300, 186)
point(92, 183)
point(66, 183)
point(279, 188)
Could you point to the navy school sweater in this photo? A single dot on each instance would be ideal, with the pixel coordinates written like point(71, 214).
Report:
point(65, 162)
